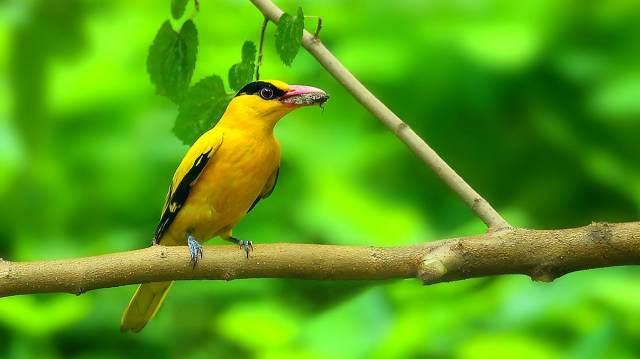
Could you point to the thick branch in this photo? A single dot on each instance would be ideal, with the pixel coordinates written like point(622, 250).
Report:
point(542, 254)
point(315, 47)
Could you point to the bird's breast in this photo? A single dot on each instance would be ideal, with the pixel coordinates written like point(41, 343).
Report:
point(233, 179)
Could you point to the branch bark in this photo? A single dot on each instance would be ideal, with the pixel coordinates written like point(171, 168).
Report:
point(541, 254)
point(401, 129)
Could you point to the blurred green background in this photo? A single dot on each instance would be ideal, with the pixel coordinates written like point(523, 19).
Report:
point(535, 102)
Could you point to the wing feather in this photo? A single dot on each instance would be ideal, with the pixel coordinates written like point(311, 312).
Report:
point(268, 188)
point(187, 174)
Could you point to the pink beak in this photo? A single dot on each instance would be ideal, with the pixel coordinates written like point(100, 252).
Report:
point(304, 96)
point(299, 90)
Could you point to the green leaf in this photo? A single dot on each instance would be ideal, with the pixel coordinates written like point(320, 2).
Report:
point(242, 72)
point(172, 59)
point(202, 107)
point(249, 52)
point(289, 36)
point(177, 8)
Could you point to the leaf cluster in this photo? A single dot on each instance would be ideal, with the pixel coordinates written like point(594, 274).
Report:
point(171, 62)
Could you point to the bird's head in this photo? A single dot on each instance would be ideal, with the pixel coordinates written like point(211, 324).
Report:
point(269, 100)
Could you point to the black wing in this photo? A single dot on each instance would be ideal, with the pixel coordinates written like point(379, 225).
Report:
point(268, 188)
point(177, 198)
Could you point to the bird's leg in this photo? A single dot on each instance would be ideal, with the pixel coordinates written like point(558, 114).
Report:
point(195, 249)
point(246, 246)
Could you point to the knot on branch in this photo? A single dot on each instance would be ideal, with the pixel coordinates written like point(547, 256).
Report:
point(435, 265)
point(400, 127)
point(478, 201)
point(431, 270)
point(600, 231)
point(228, 276)
point(543, 274)
point(5, 269)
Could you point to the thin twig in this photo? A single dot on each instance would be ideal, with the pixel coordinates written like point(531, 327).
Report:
point(263, 28)
point(542, 255)
point(316, 34)
point(314, 46)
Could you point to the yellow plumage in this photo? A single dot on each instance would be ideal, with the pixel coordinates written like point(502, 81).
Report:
point(226, 171)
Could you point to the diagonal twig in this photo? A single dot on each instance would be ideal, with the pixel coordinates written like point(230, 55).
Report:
point(314, 46)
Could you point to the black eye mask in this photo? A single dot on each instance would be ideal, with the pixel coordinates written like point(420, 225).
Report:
point(254, 88)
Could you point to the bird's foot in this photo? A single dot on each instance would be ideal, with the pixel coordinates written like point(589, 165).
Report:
point(195, 250)
point(246, 246)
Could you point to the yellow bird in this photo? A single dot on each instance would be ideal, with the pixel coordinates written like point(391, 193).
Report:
point(221, 178)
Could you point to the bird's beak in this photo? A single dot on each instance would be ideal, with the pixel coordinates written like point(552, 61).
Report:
point(304, 96)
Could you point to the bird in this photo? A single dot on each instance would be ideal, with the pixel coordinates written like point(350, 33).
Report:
point(220, 179)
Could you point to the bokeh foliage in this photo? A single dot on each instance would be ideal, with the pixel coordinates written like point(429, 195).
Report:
point(536, 103)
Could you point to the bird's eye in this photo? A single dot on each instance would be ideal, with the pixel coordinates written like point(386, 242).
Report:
point(266, 93)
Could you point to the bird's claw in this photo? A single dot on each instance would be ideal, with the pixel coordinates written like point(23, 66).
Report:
point(195, 250)
point(246, 246)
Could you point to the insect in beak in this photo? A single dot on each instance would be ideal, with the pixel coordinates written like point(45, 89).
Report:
point(304, 96)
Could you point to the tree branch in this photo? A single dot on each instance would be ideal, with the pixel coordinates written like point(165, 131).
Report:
point(314, 46)
point(541, 254)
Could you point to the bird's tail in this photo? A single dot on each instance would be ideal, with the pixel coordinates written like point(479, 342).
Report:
point(144, 305)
